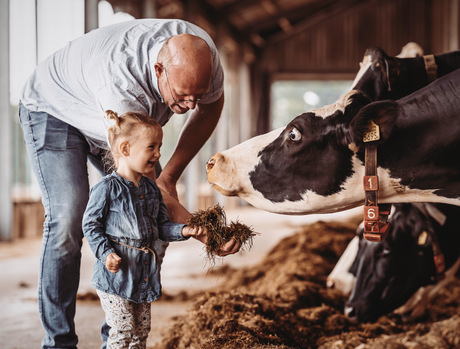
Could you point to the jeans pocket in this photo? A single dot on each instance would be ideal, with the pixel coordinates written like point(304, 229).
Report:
point(47, 132)
point(30, 133)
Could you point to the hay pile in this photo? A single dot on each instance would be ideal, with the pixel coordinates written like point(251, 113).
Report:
point(283, 303)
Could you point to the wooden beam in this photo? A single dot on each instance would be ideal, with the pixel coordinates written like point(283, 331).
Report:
point(320, 16)
point(277, 13)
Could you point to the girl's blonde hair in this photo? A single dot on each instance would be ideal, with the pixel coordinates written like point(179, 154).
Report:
point(125, 127)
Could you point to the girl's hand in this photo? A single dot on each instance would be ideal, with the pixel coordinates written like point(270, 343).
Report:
point(198, 233)
point(112, 262)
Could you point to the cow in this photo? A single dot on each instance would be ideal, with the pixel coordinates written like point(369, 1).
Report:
point(384, 77)
point(380, 76)
point(316, 163)
point(404, 272)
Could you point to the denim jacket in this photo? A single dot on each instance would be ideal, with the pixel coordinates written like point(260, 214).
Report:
point(129, 221)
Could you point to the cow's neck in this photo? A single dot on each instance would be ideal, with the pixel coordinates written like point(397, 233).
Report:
point(412, 76)
point(423, 149)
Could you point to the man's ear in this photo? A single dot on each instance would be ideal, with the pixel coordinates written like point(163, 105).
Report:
point(124, 148)
point(158, 69)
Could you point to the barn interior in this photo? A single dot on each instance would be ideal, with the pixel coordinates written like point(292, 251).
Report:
point(280, 58)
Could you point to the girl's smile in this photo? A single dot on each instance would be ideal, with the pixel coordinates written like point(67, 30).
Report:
point(140, 154)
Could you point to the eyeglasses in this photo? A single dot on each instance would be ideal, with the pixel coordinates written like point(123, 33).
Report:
point(182, 101)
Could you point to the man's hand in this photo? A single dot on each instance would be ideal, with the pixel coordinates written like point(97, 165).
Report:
point(112, 262)
point(230, 247)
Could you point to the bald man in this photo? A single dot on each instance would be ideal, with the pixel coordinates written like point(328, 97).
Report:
point(156, 67)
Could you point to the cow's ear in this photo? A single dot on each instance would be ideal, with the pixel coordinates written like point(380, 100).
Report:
point(382, 113)
point(354, 102)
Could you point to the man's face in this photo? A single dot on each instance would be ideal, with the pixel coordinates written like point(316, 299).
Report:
point(181, 90)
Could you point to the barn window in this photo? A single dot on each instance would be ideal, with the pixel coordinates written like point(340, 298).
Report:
point(36, 30)
point(290, 98)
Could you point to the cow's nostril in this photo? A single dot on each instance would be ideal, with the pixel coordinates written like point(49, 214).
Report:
point(210, 164)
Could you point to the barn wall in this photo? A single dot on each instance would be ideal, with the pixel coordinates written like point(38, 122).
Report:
point(335, 44)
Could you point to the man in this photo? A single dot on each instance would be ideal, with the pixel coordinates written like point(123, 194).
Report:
point(157, 67)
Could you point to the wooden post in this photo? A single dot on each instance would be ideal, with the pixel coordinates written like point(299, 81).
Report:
point(91, 15)
point(6, 206)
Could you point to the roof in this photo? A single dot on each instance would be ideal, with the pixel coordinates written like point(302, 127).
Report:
point(258, 21)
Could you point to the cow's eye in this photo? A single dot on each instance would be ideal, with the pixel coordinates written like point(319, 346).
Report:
point(294, 135)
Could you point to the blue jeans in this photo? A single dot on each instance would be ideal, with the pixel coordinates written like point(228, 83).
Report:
point(58, 153)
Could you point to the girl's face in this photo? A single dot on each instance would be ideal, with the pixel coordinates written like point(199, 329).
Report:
point(145, 150)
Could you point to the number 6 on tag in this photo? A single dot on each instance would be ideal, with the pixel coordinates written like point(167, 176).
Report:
point(371, 213)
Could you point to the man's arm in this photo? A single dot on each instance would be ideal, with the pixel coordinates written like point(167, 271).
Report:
point(197, 130)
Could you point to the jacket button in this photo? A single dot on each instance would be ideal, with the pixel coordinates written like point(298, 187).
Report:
point(142, 196)
point(146, 279)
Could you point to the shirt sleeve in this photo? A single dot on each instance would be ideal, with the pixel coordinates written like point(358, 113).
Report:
point(94, 218)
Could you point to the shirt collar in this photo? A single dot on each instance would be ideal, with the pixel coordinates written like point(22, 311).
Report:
point(128, 182)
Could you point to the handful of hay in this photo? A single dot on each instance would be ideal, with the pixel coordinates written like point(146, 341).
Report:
point(215, 222)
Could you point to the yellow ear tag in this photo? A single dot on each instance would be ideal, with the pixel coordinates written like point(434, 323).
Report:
point(372, 133)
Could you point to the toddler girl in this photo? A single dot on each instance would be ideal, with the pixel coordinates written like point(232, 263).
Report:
point(124, 220)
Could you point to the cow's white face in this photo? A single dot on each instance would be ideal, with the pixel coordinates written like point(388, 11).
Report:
point(227, 171)
point(364, 66)
point(340, 279)
point(271, 178)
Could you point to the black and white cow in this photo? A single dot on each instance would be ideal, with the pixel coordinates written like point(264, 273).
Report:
point(422, 239)
point(384, 77)
point(316, 163)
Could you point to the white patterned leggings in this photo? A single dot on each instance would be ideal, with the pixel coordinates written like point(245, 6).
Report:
point(129, 322)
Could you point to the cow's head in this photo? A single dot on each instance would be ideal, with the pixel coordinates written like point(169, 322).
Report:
point(390, 272)
point(380, 76)
point(301, 168)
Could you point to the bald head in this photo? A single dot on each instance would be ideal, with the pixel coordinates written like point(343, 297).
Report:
point(188, 57)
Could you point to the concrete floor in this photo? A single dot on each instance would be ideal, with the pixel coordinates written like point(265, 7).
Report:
point(184, 268)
